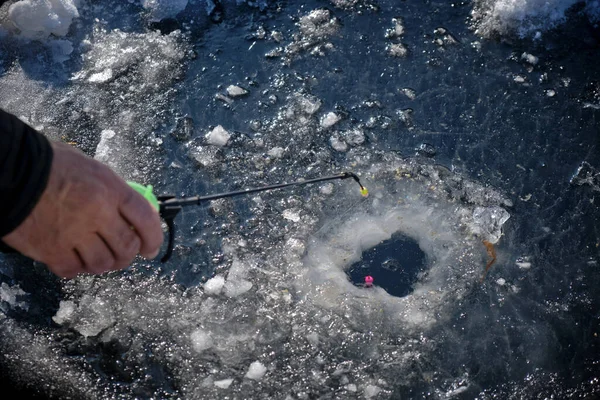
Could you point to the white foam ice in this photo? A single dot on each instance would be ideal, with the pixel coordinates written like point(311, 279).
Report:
point(35, 19)
point(65, 312)
point(526, 18)
point(214, 285)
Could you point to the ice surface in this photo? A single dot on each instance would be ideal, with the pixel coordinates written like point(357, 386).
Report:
point(256, 371)
point(587, 175)
point(108, 146)
point(279, 292)
point(161, 9)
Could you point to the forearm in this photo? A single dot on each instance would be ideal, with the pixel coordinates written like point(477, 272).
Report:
point(25, 161)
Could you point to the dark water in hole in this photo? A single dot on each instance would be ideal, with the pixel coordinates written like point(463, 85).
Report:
point(394, 265)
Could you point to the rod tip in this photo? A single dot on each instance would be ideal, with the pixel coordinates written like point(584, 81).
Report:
point(364, 192)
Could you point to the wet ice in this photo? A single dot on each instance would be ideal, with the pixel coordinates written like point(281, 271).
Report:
point(274, 289)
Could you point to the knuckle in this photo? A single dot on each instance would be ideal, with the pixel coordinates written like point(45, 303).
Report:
point(102, 264)
point(130, 242)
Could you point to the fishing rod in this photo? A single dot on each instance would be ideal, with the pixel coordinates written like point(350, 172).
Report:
point(169, 206)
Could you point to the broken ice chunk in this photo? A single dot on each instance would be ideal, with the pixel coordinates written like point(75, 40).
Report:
point(529, 58)
point(291, 214)
point(397, 30)
point(205, 156)
point(101, 77)
point(223, 383)
point(256, 371)
point(338, 144)
point(330, 119)
point(201, 340)
point(276, 152)
point(397, 50)
point(218, 136)
point(66, 309)
point(214, 285)
point(371, 391)
point(236, 287)
point(488, 221)
point(235, 91)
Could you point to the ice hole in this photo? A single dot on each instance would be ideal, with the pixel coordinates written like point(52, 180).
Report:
point(394, 264)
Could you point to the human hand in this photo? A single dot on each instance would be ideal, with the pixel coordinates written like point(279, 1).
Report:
point(88, 220)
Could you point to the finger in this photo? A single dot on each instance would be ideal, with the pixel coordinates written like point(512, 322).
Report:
point(68, 266)
point(138, 212)
point(123, 241)
point(96, 255)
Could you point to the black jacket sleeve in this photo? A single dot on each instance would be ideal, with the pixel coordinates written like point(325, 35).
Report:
point(25, 161)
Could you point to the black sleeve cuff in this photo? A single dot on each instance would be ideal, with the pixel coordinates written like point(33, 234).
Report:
point(25, 162)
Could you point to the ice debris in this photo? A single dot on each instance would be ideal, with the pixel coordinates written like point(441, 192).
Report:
point(586, 175)
point(223, 383)
point(371, 391)
point(214, 285)
point(397, 30)
point(330, 119)
point(488, 221)
point(9, 295)
point(218, 136)
point(256, 371)
point(235, 91)
point(201, 340)
point(36, 20)
point(530, 58)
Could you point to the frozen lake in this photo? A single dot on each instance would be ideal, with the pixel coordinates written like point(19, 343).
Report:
point(473, 124)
